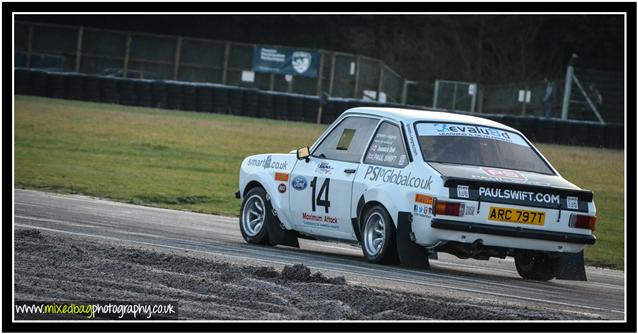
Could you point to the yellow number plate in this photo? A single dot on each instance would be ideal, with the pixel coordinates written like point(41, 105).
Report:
point(517, 216)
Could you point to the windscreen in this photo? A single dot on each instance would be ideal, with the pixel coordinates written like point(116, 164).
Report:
point(478, 146)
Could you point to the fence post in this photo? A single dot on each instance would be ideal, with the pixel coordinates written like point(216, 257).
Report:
point(404, 91)
point(78, 50)
point(30, 45)
point(332, 75)
point(380, 84)
point(356, 78)
point(127, 52)
point(436, 93)
point(178, 52)
point(320, 76)
point(225, 65)
point(568, 91)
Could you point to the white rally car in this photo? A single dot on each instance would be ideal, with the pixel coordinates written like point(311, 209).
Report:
point(405, 184)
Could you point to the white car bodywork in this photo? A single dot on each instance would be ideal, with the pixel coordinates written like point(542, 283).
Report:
point(413, 189)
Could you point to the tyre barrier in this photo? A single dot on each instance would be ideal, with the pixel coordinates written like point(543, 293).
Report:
point(251, 103)
point(221, 102)
point(127, 92)
point(236, 101)
point(280, 106)
point(595, 135)
point(22, 81)
point(205, 97)
point(614, 136)
point(266, 105)
point(75, 85)
point(579, 133)
point(311, 109)
point(144, 95)
point(189, 97)
point(295, 108)
point(327, 113)
point(173, 95)
point(56, 85)
point(563, 133)
point(38, 83)
point(158, 94)
point(92, 88)
point(109, 90)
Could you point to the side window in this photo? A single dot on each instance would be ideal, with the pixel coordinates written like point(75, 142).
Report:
point(347, 141)
point(387, 147)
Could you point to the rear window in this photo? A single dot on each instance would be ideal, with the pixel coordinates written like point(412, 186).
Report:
point(466, 144)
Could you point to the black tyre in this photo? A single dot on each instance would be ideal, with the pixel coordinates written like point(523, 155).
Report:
point(379, 236)
point(253, 217)
point(535, 266)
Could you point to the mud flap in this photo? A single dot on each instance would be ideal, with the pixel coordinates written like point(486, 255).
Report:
point(570, 267)
point(276, 234)
point(410, 254)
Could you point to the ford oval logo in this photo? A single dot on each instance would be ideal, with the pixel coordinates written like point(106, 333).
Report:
point(299, 183)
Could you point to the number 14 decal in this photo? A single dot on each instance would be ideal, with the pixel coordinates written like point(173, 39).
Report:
point(325, 188)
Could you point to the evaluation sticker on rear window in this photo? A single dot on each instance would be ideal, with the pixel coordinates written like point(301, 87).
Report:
point(462, 192)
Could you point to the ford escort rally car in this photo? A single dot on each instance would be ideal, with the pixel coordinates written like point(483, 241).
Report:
point(406, 184)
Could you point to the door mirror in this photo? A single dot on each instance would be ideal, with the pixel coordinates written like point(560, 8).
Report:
point(303, 153)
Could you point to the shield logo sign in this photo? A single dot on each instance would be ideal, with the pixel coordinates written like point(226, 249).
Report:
point(301, 61)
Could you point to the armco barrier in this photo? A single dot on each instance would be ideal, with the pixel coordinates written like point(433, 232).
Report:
point(204, 97)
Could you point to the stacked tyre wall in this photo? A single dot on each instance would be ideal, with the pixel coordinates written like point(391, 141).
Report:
point(213, 98)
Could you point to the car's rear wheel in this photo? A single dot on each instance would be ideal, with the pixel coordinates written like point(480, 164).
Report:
point(253, 217)
point(534, 266)
point(379, 236)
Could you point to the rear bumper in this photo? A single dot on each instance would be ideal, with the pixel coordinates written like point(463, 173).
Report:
point(516, 232)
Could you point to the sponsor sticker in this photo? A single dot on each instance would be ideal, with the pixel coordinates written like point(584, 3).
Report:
point(267, 163)
point(469, 210)
point(299, 183)
point(391, 175)
point(425, 199)
point(466, 130)
point(501, 173)
point(519, 195)
point(324, 168)
point(281, 177)
point(281, 188)
point(322, 220)
point(572, 202)
point(462, 191)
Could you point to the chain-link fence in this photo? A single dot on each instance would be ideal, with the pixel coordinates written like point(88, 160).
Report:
point(596, 95)
point(151, 56)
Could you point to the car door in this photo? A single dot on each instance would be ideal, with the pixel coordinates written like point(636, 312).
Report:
point(321, 194)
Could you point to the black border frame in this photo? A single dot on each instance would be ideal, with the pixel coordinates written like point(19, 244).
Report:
point(525, 7)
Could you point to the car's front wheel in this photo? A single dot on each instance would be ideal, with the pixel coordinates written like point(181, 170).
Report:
point(253, 217)
point(379, 236)
point(534, 266)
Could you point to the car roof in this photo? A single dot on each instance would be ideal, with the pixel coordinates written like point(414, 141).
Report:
point(414, 115)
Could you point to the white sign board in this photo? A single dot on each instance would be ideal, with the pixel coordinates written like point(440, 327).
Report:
point(248, 76)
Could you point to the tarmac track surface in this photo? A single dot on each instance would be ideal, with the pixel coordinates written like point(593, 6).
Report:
point(490, 282)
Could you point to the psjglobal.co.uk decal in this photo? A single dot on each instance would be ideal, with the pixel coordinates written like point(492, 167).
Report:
point(391, 175)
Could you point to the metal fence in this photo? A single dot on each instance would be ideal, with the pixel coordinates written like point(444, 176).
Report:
point(151, 56)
